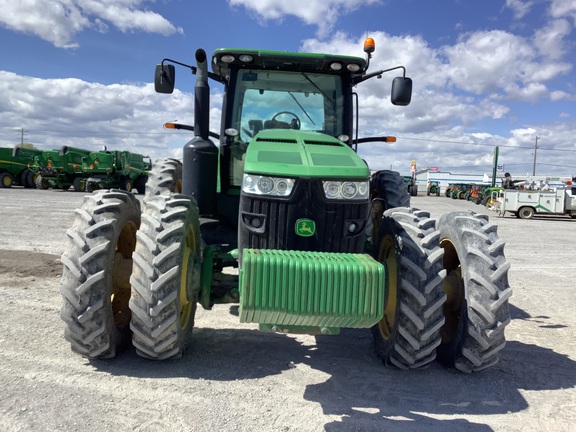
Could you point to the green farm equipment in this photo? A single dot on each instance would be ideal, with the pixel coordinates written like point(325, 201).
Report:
point(433, 188)
point(411, 185)
point(116, 169)
point(458, 190)
point(14, 166)
point(284, 219)
point(60, 169)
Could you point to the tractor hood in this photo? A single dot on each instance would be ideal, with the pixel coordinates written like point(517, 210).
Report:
point(293, 153)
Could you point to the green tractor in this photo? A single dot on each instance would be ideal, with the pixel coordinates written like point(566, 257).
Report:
point(15, 166)
point(458, 190)
point(284, 219)
point(411, 185)
point(433, 188)
point(115, 169)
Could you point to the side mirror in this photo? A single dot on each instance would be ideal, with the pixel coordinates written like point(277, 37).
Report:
point(164, 77)
point(401, 91)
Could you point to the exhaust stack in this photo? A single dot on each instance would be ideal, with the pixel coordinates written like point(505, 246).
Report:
point(200, 159)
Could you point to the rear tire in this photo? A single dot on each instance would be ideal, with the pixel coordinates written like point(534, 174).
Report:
point(95, 280)
point(477, 287)
point(387, 190)
point(525, 212)
point(409, 332)
point(166, 277)
point(165, 176)
point(27, 179)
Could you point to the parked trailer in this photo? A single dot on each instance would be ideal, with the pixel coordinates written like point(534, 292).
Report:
point(14, 166)
point(524, 204)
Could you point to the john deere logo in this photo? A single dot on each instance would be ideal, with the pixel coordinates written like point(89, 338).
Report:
point(305, 227)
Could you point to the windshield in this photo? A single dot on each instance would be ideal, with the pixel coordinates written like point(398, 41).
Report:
point(287, 100)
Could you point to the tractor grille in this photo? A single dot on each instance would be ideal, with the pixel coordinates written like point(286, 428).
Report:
point(279, 217)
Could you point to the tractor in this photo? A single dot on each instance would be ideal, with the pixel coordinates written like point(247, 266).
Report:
point(284, 219)
point(411, 185)
point(433, 188)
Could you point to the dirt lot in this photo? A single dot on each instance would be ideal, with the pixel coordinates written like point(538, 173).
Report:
point(237, 379)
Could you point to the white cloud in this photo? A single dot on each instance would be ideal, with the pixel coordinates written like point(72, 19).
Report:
point(322, 13)
point(58, 21)
point(519, 7)
point(550, 39)
point(563, 9)
point(559, 95)
point(56, 112)
point(481, 62)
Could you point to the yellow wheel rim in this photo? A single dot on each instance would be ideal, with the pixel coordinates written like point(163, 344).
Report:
point(387, 256)
point(121, 271)
point(186, 305)
point(454, 288)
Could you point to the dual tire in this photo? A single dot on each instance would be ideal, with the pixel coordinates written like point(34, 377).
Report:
point(447, 292)
point(128, 274)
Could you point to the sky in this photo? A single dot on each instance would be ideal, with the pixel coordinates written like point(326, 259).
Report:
point(486, 73)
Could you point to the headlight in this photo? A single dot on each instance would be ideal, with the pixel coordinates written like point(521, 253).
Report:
point(346, 190)
point(263, 185)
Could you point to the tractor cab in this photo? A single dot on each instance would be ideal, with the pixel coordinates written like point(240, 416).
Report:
point(287, 144)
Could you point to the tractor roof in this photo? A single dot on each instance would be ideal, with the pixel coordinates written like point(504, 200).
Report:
point(224, 59)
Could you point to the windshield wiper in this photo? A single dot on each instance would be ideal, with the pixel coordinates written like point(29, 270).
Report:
point(302, 108)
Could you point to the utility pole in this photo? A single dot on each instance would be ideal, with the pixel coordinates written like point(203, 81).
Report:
point(535, 150)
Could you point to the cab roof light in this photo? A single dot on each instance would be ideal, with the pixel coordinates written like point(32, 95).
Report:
point(369, 46)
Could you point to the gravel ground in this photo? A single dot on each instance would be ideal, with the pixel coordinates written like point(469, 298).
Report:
point(237, 379)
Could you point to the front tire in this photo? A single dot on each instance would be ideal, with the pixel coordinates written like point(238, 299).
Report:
point(477, 287)
point(126, 184)
point(409, 332)
point(166, 277)
point(6, 180)
point(140, 184)
point(95, 280)
point(42, 183)
point(78, 184)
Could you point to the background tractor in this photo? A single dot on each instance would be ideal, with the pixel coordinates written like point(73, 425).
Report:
point(411, 185)
point(433, 188)
point(319, 244)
